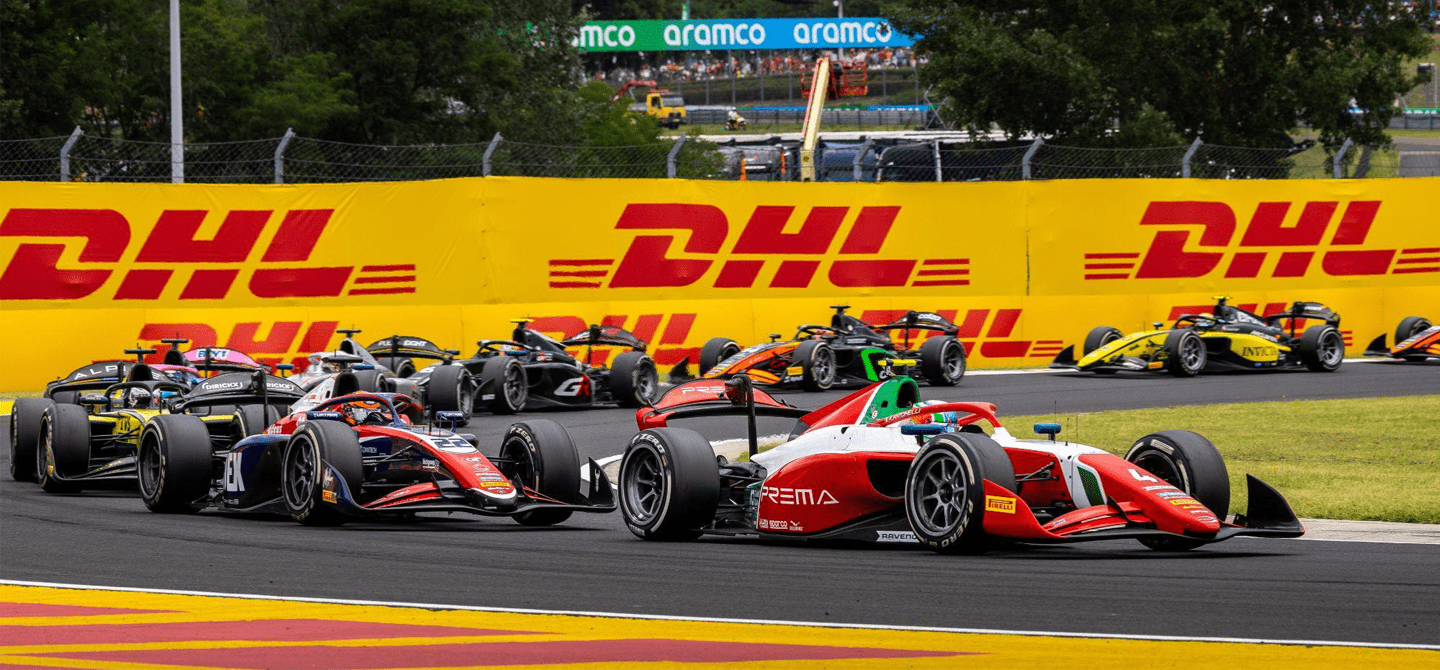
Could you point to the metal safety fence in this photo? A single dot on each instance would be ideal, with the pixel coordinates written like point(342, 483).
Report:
point(887, 157)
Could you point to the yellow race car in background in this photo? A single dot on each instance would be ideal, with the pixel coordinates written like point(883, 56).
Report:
point(1228, 338)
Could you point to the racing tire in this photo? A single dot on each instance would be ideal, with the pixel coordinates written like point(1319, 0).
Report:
point(302, 473)
point(503, 379)
point(26, 416)
point(945, 491)
point(373, 381)
point(254, 419)
point(1322, 348)
point(64, 448)
point(1100, 336)
point(634, 380)
point(1184, 353)
point(451, 389)
point(714, 350)
point(174, 465)
point(398, 365)
point(546, 462)
point(817, 362)
point(669, 484)
point(942, 361)
point(1189, 462)
point(66, 397)
point(1409, 327)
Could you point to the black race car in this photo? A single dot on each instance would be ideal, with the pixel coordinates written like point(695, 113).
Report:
point(847, 353)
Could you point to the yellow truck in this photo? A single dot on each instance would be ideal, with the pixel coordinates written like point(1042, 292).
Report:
point(668, 108)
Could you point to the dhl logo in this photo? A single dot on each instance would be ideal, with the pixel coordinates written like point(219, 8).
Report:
point(669, 349)
point(282, 341)
point(1266, 246)
point(992, 342)
point(34, 272)
point(796, 257)
point(1293, 326)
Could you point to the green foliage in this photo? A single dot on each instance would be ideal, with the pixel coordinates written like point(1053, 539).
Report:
point(612, 124)
point(1235, 72)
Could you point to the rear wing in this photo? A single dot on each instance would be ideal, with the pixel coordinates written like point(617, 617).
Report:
point(921, 321)
point(712, 397)
point(604, 336)
point(405, 346)
point(241, 388)
point(1304, 311)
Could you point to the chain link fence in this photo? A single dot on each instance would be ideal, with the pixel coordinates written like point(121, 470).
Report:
point(892, 157)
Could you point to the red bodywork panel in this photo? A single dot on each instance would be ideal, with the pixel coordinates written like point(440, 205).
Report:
point(819, 492)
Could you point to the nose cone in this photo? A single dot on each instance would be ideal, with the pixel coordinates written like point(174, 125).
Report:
point(493, 495)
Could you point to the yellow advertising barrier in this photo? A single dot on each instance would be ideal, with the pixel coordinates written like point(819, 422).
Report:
point(1024, 268)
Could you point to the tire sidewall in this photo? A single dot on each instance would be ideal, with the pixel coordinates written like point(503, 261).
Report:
point(972, 517)
point(647, 443)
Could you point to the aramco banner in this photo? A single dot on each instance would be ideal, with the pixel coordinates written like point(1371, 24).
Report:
point(752, 34)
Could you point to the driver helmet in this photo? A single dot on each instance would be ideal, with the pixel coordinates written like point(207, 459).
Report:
point(138, 398)
point(359, 411)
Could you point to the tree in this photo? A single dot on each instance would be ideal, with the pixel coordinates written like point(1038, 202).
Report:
point(1152, 72)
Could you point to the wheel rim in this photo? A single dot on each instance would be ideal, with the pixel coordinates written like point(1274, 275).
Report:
point(1157, 463)
point(150, 469)
point(729, 350)
point(1415, 329)
point(938, 493)
point(514, 449)
point(822, 365)
point(514, 385)
point(1332, 348)
point(1192, 353)
point(300, 470)
point(464, 395)
point(646, 380)
point(952, 362)
point(644, 486)
point(42, 451)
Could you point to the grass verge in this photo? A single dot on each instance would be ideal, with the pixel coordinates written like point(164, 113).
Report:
point(1365, 459)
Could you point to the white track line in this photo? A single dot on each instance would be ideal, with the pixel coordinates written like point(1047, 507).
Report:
point(664, 617)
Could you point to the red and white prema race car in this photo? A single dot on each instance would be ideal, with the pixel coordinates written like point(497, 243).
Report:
point(880, 465)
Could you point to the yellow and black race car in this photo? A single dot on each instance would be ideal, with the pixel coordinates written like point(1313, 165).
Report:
point(1228, 338)
point(66, 447)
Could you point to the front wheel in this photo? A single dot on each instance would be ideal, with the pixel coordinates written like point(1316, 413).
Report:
point(1189, 462)
point(64, 448)
point(942, 360)
point(174, 463)
point(310, 490)
point(26, 418)
point(1409, 327)
point(1322, 348)
point(714, 350)
point(634, 379)
point(1185, 353)
point(1100, 336)
point(817, 364)
point(945, 491)
point(669, 484)
point(546, 462)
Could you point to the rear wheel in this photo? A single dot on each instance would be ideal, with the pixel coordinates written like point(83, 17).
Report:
point(254, 419)
point(373, 381)
point(714, 350)
point(634, 379)
point(1100, 336)
point(303, 473)
point(451, 389)
point(546, 462)
point(669, 484)
point(1322, 348)
point(1189, 462)
point(401, 366)
point(502, 379)
point(174, 463)
point(1185, 353)
point(64, 448)
point(945, 491)
point(26, 417)
point(817, 360)
point(942, 360)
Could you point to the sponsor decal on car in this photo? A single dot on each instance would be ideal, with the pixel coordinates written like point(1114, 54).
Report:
point(895, 536)
point(999, 504)
point(793, 496)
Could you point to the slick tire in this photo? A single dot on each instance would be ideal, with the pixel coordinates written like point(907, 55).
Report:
point(1184, 353)
point(66, 397)
point(63, 448)
point(503, 379)
point(1409, 327)
point(942, 361)
point(314, 446)
point(373, 381)
point(451, 389)
point(26, 418)
point(945, 491)
point(714, 350)
point(1322, 348)
point(254, 419)
point(669, 484)
point(399, 366)
point(1100, 336)
point(1189, 462)
point(174, 465)
point(634, 380)
point(547, 462)
point(817, 360)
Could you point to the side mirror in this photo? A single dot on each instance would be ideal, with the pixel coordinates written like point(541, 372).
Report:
point(470, 437)
point(452, 418)
point(1051, 429)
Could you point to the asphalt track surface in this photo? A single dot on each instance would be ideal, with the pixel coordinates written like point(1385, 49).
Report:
point(1244, 588)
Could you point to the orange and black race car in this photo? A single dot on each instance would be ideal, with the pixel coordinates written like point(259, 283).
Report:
point(847, 353)
point(1416, 339)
